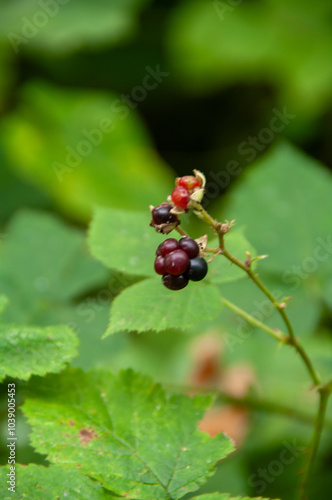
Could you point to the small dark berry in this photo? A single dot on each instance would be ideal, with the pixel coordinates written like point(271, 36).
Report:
point(175, 282)
point(176, 262)
point(189, 246)
point(162, 214)
point(198, 269)
point(159, 265)
point(181, 197)
point(167, 247)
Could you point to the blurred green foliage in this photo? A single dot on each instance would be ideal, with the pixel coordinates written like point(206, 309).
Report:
point(83, 150)
point(67, 26)
point(103, 103)
point(286, 44)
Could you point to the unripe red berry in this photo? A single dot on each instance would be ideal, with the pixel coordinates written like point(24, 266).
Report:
point(181, 197)
point(189, 182)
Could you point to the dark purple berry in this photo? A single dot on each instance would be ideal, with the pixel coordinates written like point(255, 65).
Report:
point(175, 282)
point(198, 269)
point(159, 265)
point(167, 247)
point(162, 214)
point(176, 262)
point(189, 246)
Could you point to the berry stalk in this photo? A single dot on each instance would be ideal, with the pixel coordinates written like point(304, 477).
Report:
point(221, 229)
point(276, 334)
point(181, 261)
point(323, 391)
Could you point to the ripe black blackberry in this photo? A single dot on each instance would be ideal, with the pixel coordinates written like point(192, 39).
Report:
point(198, 269)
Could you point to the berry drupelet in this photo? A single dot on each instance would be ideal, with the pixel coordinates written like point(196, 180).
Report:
point(188, 181)
point(175, 282)
point(185, 187)
point(189, 246)
point(198, 269)
point(181, 197)
point(167, 246)
point(176, 263)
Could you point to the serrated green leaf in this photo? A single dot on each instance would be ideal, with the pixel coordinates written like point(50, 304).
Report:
point(123, 240)
point(70, 26)
point(148, 305)
point(224, 496)
point(84, 148)
point(43, 261)
point(46, 271)
point(34, 482)
point(125, 432)
point(220, 269)
point(285, 201)
point(26, 351)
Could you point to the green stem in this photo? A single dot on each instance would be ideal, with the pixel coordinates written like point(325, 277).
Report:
point(305, 358)
point(277, 334)
point(217, 226)
point(246, 268)
point(324, 394)
point(261, 286)
point(181, 231)
point(292, 339)
point(324, 391)
point(212, 250)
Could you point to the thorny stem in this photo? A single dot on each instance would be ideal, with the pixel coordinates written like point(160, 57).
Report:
point(291, 340)
point(212, 250)
point(324, 394)
point(324, 391)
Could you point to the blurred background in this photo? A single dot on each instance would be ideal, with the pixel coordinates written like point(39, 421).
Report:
point(104, 103)
point(184, 83)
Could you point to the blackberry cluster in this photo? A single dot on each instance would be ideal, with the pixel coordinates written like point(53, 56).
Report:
point(178, 262)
